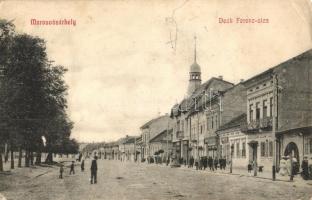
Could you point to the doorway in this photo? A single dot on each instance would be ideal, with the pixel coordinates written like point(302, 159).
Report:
point(292, 149)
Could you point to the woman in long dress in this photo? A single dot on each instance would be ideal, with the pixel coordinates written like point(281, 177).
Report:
point(283, 166)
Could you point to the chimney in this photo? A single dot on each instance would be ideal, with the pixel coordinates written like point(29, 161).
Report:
point(220, 77)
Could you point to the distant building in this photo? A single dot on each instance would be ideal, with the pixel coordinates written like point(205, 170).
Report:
point(151, 129)
point(161, 144)
point(130, 149)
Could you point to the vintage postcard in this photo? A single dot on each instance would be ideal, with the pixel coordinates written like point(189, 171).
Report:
point(155, 99)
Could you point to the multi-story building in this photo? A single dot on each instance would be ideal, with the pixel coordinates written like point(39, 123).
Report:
point(206, 108)
point(151, 129)
point(233, 142)
point(283, 92)
point(161, 144)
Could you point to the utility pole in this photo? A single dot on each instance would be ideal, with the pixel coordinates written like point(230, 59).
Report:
point(167, 138)
point(274, 121)
point(135, 154)
point(198, 160)
point(232, 151)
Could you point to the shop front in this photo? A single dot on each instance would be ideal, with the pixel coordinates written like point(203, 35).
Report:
point(212, 146)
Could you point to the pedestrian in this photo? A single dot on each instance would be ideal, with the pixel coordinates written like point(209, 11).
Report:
point(221, 163)
point(305, 168)
point(249, 167)
point(61, 171)
point(94, 170)
point(310, 168)
point(215, 162)
point(82, 164)
point(80, 156)
point(210, 163)
point(196, 163)
point(191, 161)
point(224, 163)
point(72, 168)
point(288, 166)
point(205, 162)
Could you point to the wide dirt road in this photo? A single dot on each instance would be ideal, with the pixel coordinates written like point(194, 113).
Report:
point(126, 180)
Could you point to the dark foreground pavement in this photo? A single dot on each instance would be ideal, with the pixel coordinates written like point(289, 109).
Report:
point(126, 180)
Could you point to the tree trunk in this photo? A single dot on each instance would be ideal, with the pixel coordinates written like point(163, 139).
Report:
point(1, 162)
point(31, 158)
point(12, 158)
point(20, 154)
point(38, 158)
point(6, 153)
point(49, 158)
point(26, 158)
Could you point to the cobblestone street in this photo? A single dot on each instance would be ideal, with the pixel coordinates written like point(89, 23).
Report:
point(127, 180)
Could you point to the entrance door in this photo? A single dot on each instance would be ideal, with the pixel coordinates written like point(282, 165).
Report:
point(292, 149)
point(253, 151)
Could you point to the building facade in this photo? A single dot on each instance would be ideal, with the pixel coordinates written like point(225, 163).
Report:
point(233, 142)
point(197, 117)
point(279, 103)
point(151, 129)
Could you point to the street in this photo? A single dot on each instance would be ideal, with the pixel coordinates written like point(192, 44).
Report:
point(127, 180)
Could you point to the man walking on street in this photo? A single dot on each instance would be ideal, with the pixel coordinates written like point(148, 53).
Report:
point(94, 170)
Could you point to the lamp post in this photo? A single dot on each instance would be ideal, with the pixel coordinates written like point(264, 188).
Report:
point(274, 124)
point(231, 164)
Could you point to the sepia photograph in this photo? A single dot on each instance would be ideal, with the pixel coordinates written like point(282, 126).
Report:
point(155, 99)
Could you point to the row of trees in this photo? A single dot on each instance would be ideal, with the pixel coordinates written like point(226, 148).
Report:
point(33, 103)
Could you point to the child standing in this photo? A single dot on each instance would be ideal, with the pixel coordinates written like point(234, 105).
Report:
point(72, 168)
point(249, 168)
point(82, 165)
point(61, 171)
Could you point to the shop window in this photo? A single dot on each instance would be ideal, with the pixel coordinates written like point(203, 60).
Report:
point(250, 113)
point(265, 108)
point(237, 150)
point(244, 150)
point(306, 147)
point(257, 110)
point(271, 106)
point(271, 149)
point(182, 125)
point(207, 123)
point(262, 146)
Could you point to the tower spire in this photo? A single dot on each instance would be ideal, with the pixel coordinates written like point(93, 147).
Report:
point(195, 48)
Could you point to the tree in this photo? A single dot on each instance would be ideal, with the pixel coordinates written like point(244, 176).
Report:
point(33, 98)
point(7, 31)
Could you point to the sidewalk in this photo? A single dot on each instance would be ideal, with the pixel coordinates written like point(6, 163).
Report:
point(261, 175)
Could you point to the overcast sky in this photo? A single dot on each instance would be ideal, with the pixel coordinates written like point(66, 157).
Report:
point(123, 69)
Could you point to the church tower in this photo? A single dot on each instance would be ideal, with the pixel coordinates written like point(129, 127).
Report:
point(195, 74)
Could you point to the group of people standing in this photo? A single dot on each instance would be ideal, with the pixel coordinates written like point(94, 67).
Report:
point(93, 168)
point(306, 166)
point(290, 166)
point(204, 162)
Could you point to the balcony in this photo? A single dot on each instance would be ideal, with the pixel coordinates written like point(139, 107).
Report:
point(264, 124)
